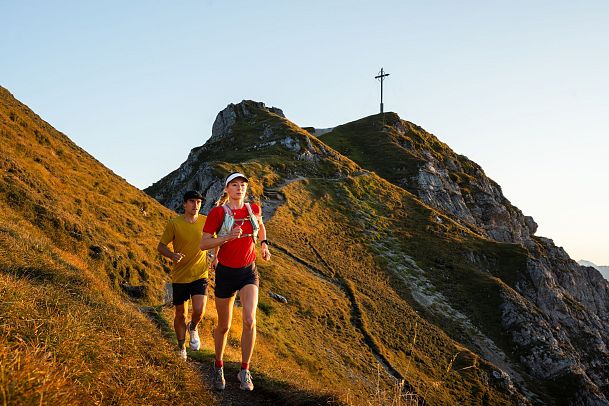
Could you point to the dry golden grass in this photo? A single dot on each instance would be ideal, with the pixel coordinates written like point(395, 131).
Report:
point(70, 232)
point(79, 204)
point(67, 338)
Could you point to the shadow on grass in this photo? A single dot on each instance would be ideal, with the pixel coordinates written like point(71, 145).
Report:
point(268, 391)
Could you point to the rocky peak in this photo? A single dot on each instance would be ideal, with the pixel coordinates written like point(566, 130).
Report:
point(240, 133)
point(225, 119)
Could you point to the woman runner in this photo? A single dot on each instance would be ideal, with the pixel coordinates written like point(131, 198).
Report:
point(235, 270)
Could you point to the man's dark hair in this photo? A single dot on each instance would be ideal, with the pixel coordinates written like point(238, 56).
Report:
point(192, 194)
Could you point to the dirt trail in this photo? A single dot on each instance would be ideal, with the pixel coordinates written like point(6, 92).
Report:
point(232, 395)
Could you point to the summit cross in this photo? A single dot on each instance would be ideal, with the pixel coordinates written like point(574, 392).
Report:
point(381, 76)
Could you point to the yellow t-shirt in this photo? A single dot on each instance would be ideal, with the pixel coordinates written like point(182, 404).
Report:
point(186, 238)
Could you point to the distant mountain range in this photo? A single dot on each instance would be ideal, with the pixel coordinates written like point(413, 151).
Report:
point(604, 270)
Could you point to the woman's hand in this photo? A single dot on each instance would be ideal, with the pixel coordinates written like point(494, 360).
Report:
point(266, 254)
point(234, 233)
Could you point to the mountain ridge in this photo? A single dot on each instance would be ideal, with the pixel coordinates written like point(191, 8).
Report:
point(535, 279)
point(441, 182)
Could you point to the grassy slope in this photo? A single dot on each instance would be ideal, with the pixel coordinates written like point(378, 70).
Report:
point(361, 139)
point(334, 220)
point(77, 202)
point(387, 315)
point(71, 231)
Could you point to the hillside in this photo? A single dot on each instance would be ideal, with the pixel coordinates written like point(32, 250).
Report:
point(393, 294)
point(325, 266)
point(74, 240)
point(462, 309)
point(569, 297)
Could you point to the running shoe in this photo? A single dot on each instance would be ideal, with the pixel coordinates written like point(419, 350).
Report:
point(245, 377)
point(182, 354)
point(219, 382)
point(195, 342)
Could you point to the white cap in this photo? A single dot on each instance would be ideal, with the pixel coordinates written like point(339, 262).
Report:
point(235, 175)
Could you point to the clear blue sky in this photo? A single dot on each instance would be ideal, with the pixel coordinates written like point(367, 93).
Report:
point(520, 87)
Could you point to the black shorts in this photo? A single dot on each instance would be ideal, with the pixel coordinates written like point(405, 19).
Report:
point(183, 291)
point(231, 280)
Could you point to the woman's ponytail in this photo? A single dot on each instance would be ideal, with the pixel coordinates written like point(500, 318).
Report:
point(223, 199)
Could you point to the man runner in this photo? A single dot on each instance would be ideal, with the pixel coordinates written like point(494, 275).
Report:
point(189, 274)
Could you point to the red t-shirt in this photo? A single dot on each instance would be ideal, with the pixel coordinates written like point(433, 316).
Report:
point(238, 252)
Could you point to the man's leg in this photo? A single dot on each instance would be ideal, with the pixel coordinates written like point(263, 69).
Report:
point(179, 323)
point(198, 308)
point(199, 302)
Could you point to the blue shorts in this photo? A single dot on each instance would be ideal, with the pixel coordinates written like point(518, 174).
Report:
point(183, 291)
point(231, 280)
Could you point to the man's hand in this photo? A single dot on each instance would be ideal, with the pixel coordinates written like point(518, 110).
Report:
point(177, 256)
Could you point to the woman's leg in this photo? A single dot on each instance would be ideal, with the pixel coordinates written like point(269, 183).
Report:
point(249, 300)
point(224, 307)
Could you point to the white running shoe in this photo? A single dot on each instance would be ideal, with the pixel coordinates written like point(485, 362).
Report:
point(182, 354)
point(245, 377)
point(195, 342)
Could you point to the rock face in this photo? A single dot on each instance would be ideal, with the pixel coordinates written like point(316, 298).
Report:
point(459, 187)
point(604, 270)
point(484, 206)
point(567, 336)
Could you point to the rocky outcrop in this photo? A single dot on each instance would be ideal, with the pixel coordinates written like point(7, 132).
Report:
point(222, 127)
point(604, 270)
point(461, 189)
point(558, 314)
point(262, 129)
point(546, 351)
point(190, 177)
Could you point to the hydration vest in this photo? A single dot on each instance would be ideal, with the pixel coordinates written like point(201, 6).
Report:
point(229, 222)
